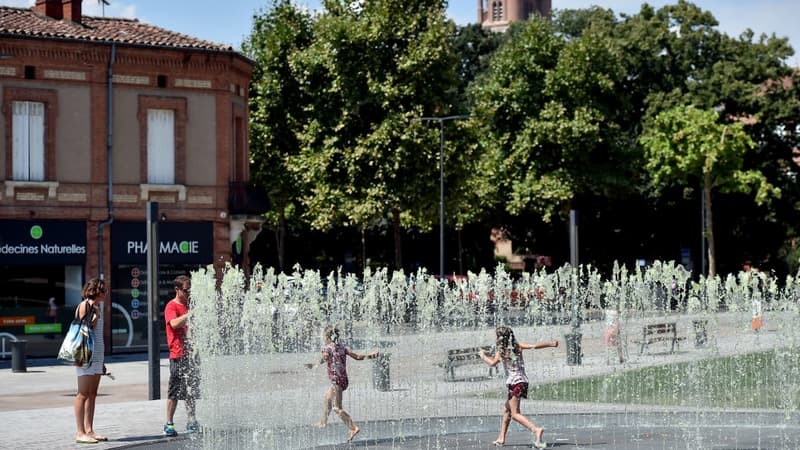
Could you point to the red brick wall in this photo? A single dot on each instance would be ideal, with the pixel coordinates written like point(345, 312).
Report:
point(88, 201)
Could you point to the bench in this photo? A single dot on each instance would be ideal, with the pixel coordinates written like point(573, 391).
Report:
point(664, 332)
point(464, 356)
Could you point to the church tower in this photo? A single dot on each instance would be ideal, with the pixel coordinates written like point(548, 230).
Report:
point(497, 15)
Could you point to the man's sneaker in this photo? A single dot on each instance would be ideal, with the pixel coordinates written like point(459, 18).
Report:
point(192, 427)
point(169, 430)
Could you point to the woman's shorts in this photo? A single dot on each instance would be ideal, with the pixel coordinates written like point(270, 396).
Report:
point(518, 390)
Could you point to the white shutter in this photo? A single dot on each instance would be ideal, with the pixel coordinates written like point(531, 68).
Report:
point(160, 146)
point(27, 136)
point(19, 137)
point(36, 147)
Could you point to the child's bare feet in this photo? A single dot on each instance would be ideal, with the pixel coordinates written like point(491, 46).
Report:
point(353, 433)
point(498, 443)
point(538, 442)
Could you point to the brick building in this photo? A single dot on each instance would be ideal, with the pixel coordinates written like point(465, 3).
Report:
point(99, 117)
point(497, 15)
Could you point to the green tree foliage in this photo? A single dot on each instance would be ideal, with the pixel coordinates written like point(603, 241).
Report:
point(277, 108)
point(373, 69)
point(571, 23)
point(557, 112)
point(474, 47)
point(676, 56)
point(547, 107)
point(688, 146)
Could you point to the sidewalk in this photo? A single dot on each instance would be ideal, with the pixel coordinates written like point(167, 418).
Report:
point(36, 409)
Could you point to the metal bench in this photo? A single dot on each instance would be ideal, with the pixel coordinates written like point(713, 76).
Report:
point(464, 356)
point(660, 332)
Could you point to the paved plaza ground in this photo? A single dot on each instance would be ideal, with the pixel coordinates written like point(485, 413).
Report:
point(36, 409)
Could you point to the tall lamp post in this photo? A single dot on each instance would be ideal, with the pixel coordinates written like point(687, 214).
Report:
point(441, 121)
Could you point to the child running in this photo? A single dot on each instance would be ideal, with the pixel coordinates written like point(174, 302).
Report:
point(509, 351)
point(335, 353)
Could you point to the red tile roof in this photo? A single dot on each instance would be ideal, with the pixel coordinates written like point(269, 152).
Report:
point(24, 22)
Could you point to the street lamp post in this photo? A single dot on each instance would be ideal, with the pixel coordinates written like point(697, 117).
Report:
point(441, 121)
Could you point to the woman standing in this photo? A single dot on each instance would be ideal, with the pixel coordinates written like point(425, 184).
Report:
point(93, 294)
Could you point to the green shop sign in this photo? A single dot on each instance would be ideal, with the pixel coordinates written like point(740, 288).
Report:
point(38, 328)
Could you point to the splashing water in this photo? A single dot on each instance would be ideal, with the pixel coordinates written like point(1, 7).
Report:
point(255, 338)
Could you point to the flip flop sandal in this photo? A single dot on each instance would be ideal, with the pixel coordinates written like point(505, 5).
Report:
point(86, 441)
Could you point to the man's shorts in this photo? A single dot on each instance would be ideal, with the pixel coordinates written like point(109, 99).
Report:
point(518, 390)
point(184, 379)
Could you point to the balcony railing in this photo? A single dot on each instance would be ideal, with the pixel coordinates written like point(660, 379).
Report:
point(245, 198)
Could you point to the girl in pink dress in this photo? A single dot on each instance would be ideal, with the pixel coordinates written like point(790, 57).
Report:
point(509, 352)
point(334, 354)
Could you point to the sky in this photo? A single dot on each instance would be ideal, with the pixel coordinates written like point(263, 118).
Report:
point(228, 22)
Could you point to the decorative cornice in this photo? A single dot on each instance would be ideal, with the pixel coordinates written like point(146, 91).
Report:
point(98, 54)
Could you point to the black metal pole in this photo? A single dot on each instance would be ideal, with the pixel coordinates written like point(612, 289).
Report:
point(573, 237)
point(441, 199)
point(153, 358)
point(441, 121)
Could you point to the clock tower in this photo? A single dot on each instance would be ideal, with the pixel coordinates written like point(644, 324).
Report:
point(497, 15)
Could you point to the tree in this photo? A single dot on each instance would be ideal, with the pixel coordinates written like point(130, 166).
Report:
point(547, 106)
point(572, 23)
point(686, 145)
point(277, 108)
point(474, 47)
point(373, 69)
point(677, 56)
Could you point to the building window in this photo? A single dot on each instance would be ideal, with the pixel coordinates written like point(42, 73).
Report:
point(30, 133)
point(497, 11)
point(162, 133)
point(239, 161)
point(160, 146)
point(27, 135)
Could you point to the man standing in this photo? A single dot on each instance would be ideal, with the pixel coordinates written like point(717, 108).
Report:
point(183, 376)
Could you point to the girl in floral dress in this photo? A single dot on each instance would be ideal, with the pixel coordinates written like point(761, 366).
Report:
point(509, 352)
point(334, 354)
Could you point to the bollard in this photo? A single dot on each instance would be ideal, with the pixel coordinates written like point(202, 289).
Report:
point(573, 348)
point(380, 372)
point(700, 336)
point(18, 356)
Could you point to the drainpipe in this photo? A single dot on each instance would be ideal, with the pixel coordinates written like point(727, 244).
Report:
point(109, 153)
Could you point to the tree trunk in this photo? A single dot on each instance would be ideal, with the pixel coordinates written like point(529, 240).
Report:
point(707, 184)
point(709, 231)
point(280, 238)
point(398, 248)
